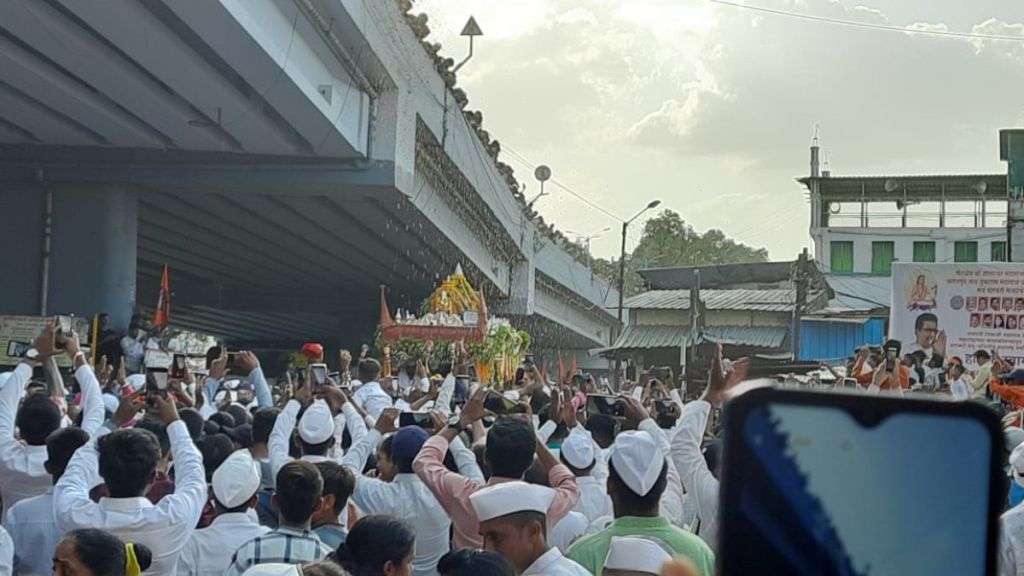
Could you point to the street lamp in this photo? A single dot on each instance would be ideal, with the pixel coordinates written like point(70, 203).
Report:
point(622, 270)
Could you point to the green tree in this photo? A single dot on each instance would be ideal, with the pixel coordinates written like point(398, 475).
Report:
point(668, 241)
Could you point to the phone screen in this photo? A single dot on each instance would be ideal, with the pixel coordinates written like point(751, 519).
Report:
point(178, 366)
point(421, 419)
point(156, 383)
point(17, 349)
point(875, 486)
point(603, 404)
point(890, 359)
point(318, 373)
point(497, 403)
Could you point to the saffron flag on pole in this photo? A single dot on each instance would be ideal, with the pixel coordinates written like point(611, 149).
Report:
point(163, 304)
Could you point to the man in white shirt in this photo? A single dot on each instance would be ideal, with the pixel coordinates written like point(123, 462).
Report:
point(405, 496)
point(1011, 524)
point(580, 454)
point(30, 522)
point(208, 552)
point(133, 352)
point(127, 461)
point(958, 386)
point(370, 397)
point(22, 463)
point(700, 482)
point(6, 553)
point(316, 428)
point(513, 523)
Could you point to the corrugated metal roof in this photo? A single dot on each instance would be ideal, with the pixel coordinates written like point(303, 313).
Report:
point(774, 300)
point(640, 337)
point(756, 336)
point(858, 293)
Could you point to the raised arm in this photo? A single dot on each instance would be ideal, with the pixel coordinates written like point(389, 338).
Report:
point(71, 503)
point(562, 480)
point(280, 436)
point(185, 505)
point(93, 413)
point(10, 396)
point(250, 363)
point(465, 460)
point(443, 404)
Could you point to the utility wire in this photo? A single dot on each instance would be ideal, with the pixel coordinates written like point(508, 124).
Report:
point(856, 24)
point(517, 156)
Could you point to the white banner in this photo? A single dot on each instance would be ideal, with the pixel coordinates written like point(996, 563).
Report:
point(963, 307)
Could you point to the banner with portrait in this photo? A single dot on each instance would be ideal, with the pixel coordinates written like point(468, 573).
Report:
point(956, 309)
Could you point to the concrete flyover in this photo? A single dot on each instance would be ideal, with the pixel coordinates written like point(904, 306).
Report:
point(284, 157)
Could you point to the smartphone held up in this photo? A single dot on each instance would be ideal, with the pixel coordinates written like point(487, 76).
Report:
point(817, 483)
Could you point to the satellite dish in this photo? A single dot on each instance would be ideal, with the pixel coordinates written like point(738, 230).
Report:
point(542, 173)
point(981, 187)
point(891, 185)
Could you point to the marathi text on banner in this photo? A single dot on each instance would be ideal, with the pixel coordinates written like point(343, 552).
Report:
point(960, 307)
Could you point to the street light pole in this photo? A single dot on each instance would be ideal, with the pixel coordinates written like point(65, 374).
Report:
point(622, 278)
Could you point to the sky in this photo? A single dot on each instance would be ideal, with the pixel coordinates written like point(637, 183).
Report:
point(906, 497)
point(710, 108)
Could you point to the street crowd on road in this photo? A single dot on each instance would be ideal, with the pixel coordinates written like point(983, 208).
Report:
point(421, 473)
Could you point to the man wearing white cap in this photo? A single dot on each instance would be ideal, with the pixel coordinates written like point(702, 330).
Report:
point(511, 447)
point(235, 483)
point(1011, 524)
point(513, 523)
point(629, 556)
point(316, 428)
point(579, 453)
point(638, 476)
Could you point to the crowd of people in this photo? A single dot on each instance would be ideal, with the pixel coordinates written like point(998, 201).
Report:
point(422, 473)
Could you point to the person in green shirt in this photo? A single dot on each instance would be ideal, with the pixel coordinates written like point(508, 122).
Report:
point(638, 475)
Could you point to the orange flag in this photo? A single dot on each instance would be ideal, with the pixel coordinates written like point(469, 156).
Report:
point(163, 304)
point(561, 371)
point(573, 368)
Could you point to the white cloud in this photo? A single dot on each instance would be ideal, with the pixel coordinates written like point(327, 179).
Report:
point(693, 102)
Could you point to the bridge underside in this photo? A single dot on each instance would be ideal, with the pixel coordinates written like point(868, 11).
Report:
point(275, 154)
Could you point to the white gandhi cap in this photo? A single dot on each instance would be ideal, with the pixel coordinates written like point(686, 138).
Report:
point(509, 498)
point(631, 554)
point(317, 424)
point(637, 460)
point(236, 480)
point(578, 449)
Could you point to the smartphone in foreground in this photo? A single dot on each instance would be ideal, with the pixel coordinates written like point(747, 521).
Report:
point(178, 366)
point(830, 483)
point(318, 375)
point(156, 383)
point(421, 419)
point(497, 403)
point(603, 404)
point(891, 358)
point(17, 349)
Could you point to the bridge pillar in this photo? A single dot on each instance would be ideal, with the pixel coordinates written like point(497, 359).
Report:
point(93, 242)
point(94, 251)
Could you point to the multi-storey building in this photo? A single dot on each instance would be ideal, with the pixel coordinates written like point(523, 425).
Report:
point(862, 224)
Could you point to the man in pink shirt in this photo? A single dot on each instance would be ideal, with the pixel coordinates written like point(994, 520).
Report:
point(511, 446)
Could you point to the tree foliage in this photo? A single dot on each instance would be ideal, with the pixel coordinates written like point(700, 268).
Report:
point(668, 241)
